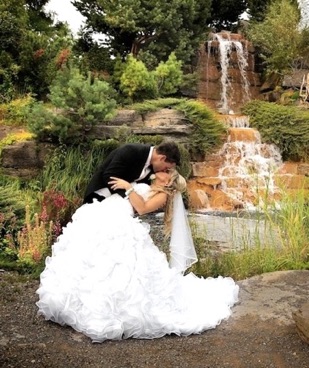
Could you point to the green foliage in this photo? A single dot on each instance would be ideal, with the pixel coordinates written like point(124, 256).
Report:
point(14, 112)
point(284, 126)
point(139, 84)
point(168, 76)
point(93, 55)
point(257, 9)
point(136, 81)
point(69, 168)
point(155, 105)
point(30, 44)
point(81, 103)
point(280, 24)
point(225, 13)
point(40, 60)
point(208, 132)
point(12, 214)
point(157, 26)
point(13, 20)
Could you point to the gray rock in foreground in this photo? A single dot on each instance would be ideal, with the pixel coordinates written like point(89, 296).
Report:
point(301, 318)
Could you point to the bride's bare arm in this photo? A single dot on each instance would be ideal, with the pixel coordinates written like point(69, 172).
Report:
point(140, 205)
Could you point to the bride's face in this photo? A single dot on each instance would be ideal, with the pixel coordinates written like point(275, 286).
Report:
point(162, 178)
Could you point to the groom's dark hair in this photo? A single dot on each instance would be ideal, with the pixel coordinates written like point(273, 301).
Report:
point(170, 150)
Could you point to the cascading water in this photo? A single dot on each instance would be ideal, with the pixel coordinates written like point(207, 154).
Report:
point(303, 6)
point(226, 45)
point(245, 172)
point(248, 171)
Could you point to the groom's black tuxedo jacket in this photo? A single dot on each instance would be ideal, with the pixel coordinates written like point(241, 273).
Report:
point(125, 162)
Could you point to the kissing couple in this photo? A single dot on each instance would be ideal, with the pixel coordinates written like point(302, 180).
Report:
point(108, 280)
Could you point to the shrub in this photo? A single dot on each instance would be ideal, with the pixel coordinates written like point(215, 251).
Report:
point(137, 82)
point(169, 76)
point(80, 102)
point(286, 127)
point(14, 112)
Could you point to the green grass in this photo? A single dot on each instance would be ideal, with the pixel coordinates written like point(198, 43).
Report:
point(287, 249)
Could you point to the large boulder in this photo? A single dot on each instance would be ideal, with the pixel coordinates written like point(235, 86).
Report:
point(301, 318)
point(24, 159)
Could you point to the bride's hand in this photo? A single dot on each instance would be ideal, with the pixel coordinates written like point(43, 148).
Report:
point(117, 183)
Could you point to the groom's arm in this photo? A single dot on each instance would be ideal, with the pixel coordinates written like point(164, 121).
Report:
point(127, 164)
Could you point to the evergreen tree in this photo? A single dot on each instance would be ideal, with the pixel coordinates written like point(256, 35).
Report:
point(80, 103)
point(156, 26)
point(226, 13)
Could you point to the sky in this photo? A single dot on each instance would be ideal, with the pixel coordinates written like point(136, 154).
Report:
point(66, 12)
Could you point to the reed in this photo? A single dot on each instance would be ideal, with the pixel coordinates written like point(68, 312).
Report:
point(285, 248)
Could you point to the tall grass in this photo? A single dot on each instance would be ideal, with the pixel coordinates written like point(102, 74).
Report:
point(70, 168)
point(288, 250)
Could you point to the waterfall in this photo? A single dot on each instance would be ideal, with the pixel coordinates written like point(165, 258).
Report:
point(249, 164)
point(303, 6)
point(226, 45)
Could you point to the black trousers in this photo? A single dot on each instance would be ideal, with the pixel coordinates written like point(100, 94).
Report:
point(92, 196)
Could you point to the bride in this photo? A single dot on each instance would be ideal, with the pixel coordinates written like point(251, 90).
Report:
point(108, 280)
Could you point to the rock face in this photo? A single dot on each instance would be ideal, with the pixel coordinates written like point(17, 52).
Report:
point(167, 122)
point(25, 159)
point(301, 318)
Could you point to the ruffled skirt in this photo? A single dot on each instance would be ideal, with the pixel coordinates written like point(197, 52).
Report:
point(108, 280)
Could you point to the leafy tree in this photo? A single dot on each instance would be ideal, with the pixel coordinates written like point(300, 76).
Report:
point(94, 56)
point(29, 47)
point(225, 13)
point(13, 22)
point(257, 9)
point(278, 36)
point(38, 19)
point(158, 26)
point(138, 83)
point(80, 102)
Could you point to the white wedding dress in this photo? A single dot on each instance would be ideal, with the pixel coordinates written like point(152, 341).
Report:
point(107, 279)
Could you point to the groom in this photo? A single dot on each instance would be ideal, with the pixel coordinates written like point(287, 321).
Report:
point(131, 162)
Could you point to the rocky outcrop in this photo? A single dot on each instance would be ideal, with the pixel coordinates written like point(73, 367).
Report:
point(25, 159)
point(301, 318)
point(170, 123)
